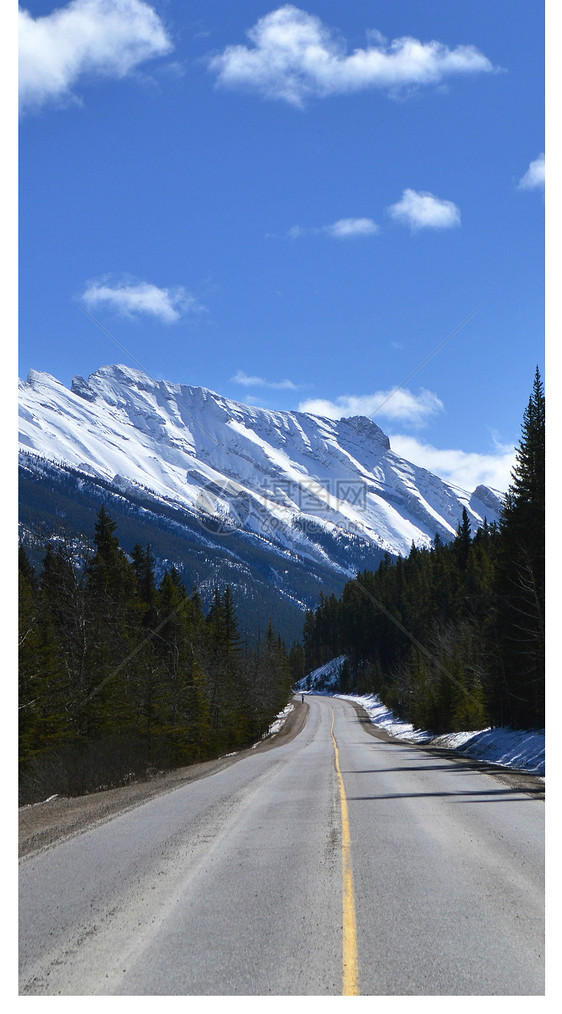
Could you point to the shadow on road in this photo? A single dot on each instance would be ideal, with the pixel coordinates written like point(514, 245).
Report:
point(503, 795)
point(518, 781)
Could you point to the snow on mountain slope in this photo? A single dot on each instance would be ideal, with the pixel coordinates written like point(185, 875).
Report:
point(282, 476)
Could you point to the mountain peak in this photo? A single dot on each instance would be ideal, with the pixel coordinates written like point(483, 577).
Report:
point(487, 501)
point(362, 425)
point(119, 374)
point(38, 378)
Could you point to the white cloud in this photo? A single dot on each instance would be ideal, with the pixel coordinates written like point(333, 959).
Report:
point(422, 210)
point(130, 298)
point(280, 385)
point(462, 468)
point(534, 178)
point(402, 405)
point(344, 228)
point(293, 56)
point(107, 38)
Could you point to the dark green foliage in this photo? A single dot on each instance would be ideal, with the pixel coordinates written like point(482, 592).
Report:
point(120, 674)
point(297, 662)
point(519, 687)
point(453, 637)
point(462, 542)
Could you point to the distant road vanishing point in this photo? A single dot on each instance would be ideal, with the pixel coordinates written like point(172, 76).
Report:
point(336, 863)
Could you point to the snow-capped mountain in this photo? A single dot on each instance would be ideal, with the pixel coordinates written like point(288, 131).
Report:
point(329, 496)
point(268, 472)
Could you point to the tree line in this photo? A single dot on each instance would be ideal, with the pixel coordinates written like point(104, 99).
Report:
point(119, 674)
point(452, 637)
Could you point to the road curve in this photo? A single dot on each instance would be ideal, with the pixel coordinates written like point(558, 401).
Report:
point(336, 863)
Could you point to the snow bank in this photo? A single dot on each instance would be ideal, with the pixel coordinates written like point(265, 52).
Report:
point(384, 718)
point(277, 724)
point(280, 720)
point(512, 748)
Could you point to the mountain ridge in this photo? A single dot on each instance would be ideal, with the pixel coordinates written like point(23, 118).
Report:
point(291, 502)
point(192, 445)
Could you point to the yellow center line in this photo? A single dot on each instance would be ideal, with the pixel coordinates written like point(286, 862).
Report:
point(350, 959)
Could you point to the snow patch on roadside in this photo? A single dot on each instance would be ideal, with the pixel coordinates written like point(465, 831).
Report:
point(277, 724)
point(385, 719)
point(40, 802)
point(512, 748)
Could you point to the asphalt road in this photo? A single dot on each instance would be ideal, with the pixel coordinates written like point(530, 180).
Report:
point(335, 863)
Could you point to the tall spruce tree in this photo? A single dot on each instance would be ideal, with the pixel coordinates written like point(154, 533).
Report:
point(108, 706)
point(462, 541)
point(520, 583)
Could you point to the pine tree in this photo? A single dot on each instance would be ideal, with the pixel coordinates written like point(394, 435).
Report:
point(143, 566)
point(297, 662)
point(520, 585)
point(108, 702)
point(106, 541)
point(462, 541)
point(181, 712)
point(526, 496)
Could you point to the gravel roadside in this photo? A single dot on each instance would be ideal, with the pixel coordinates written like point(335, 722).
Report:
point(44, 824)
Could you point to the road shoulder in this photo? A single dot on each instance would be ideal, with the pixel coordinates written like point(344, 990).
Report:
point(42, 825)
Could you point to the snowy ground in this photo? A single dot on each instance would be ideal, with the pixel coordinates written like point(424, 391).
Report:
point(508, 747)
point(277, 724)
point(323, 678)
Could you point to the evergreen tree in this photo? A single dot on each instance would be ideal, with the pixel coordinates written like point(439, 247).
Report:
point(109, 703)
point(297, 662)
point(520, 585)
point(106, 541)
point(143, 567)
point(462, 541)
point(182, 714)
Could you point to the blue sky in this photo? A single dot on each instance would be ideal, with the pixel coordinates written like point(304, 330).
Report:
point(294, 205)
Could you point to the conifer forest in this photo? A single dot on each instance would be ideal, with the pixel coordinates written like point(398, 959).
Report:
point(119, 676)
